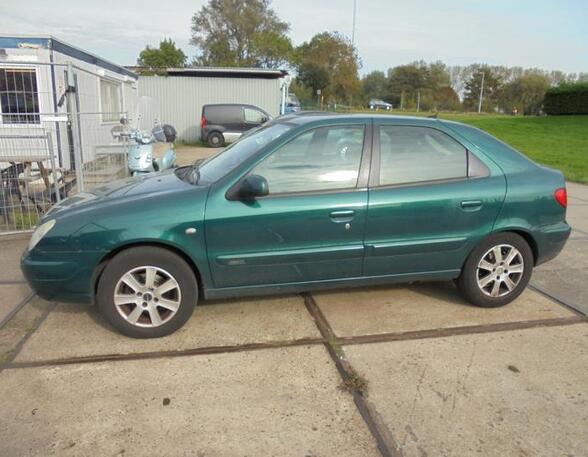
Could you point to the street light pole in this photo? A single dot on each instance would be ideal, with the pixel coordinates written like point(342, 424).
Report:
point(481, 94)
point(353, 29)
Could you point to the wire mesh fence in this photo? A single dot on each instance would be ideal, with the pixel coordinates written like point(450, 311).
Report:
point(38, 162)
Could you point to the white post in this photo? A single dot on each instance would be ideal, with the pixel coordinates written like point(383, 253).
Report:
point(481, 94)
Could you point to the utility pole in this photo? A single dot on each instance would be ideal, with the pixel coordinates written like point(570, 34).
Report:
point(481, 94)
point(353, 29)
point(418, 100)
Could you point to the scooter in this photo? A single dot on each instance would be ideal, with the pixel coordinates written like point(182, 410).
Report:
point(141, 158)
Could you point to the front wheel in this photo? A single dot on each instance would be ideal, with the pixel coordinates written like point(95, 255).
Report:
point(147, 292)
point(497, 271)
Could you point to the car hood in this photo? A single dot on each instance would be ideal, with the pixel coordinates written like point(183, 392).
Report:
point(137, 187)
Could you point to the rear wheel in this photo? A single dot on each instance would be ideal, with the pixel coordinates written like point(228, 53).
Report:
point(216, 139)
point(497, 271)
point(147, 292)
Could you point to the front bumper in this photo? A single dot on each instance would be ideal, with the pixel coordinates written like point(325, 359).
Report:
point(63, 276)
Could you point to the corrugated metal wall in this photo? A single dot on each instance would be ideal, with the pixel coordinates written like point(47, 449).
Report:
point(180, 98)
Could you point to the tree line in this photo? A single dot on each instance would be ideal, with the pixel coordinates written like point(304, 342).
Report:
point(249, 33)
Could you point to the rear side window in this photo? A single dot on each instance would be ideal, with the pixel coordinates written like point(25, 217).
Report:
point(223, 114)
point(415, 154)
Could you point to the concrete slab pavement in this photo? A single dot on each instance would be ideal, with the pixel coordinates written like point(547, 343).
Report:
point(520, 393)
point(79, 331)
point(11, 249)
point(278, 402)
point(11, 297)
point(380, 310)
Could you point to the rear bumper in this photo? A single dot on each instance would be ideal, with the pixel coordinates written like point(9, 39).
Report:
point(551, 240)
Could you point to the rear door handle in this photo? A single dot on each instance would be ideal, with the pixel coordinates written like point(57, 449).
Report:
point(342, 215)
point(471, 205)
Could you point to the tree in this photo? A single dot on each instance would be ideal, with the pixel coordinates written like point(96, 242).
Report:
point(245, 33)
point(314, 76)
point(166, 56)
point(374, 85)
point(330, 56)
point(526, 93)
point(493, 85)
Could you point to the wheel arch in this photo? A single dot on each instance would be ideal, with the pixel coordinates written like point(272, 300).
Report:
point(527, 236)
point(159, 244)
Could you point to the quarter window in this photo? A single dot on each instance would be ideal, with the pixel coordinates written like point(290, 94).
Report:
point(415, 154)
point(110, 101)
point(326, 158)
point(19, 96)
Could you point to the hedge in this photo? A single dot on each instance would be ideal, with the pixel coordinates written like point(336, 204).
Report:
point(567, 99)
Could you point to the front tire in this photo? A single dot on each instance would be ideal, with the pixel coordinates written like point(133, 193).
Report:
point(147, 292)
point(497, 271)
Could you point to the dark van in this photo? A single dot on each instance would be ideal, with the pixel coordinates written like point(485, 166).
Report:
point(225, 123)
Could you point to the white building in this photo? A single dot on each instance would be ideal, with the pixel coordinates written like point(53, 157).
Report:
point(33, 84)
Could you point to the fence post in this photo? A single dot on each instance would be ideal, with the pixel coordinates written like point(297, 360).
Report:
point(53, 168)
point(74, 120)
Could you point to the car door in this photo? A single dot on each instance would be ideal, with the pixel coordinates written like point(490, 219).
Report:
point(430, 201)
point(311, 225)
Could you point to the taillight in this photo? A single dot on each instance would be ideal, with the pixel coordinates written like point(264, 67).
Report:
point(203, 122)
point(561, 195)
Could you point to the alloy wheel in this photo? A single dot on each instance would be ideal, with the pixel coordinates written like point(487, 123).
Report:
point(500, 270)
point(147, 296)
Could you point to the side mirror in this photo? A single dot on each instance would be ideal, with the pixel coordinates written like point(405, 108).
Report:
point(264, 119)
point(251, 187)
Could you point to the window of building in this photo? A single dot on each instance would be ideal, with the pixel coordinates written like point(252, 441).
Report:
point(110, 101)
point(417, 154)
point(19, 96)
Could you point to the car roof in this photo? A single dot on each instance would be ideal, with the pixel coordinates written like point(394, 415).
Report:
point(320, 117)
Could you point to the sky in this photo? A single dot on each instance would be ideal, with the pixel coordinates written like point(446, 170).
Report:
point(548, 34)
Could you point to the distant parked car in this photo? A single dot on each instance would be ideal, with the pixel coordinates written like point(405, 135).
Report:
point(292, 104)
point(376, 103)
point(225, 123)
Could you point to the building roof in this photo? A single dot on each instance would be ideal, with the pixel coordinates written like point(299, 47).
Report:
point(219, 72)
point(52, 43)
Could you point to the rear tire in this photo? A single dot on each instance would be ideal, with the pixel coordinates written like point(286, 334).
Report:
point(216, 140)
point(147, 292)
point(497, 271)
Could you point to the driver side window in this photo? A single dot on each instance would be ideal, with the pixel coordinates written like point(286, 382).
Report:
point(326, 158)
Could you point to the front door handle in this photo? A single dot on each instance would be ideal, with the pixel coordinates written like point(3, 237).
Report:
point(471, 205)
point(342, 215)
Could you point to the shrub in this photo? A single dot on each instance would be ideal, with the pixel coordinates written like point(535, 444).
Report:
point(567, 99)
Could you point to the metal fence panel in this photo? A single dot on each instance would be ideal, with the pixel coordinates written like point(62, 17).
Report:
point(33, 177)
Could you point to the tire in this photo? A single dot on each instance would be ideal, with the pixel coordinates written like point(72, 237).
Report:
point(216, 140)
point(486, 284)
point(151, 314)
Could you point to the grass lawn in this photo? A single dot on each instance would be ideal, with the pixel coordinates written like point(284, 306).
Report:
point(556, 141)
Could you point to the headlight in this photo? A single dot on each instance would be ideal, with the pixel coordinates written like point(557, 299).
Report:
point(40, 232)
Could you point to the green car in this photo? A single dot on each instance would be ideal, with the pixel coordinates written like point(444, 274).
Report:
point(307, 201)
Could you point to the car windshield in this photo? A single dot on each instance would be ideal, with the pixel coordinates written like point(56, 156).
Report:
point(217, 166)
